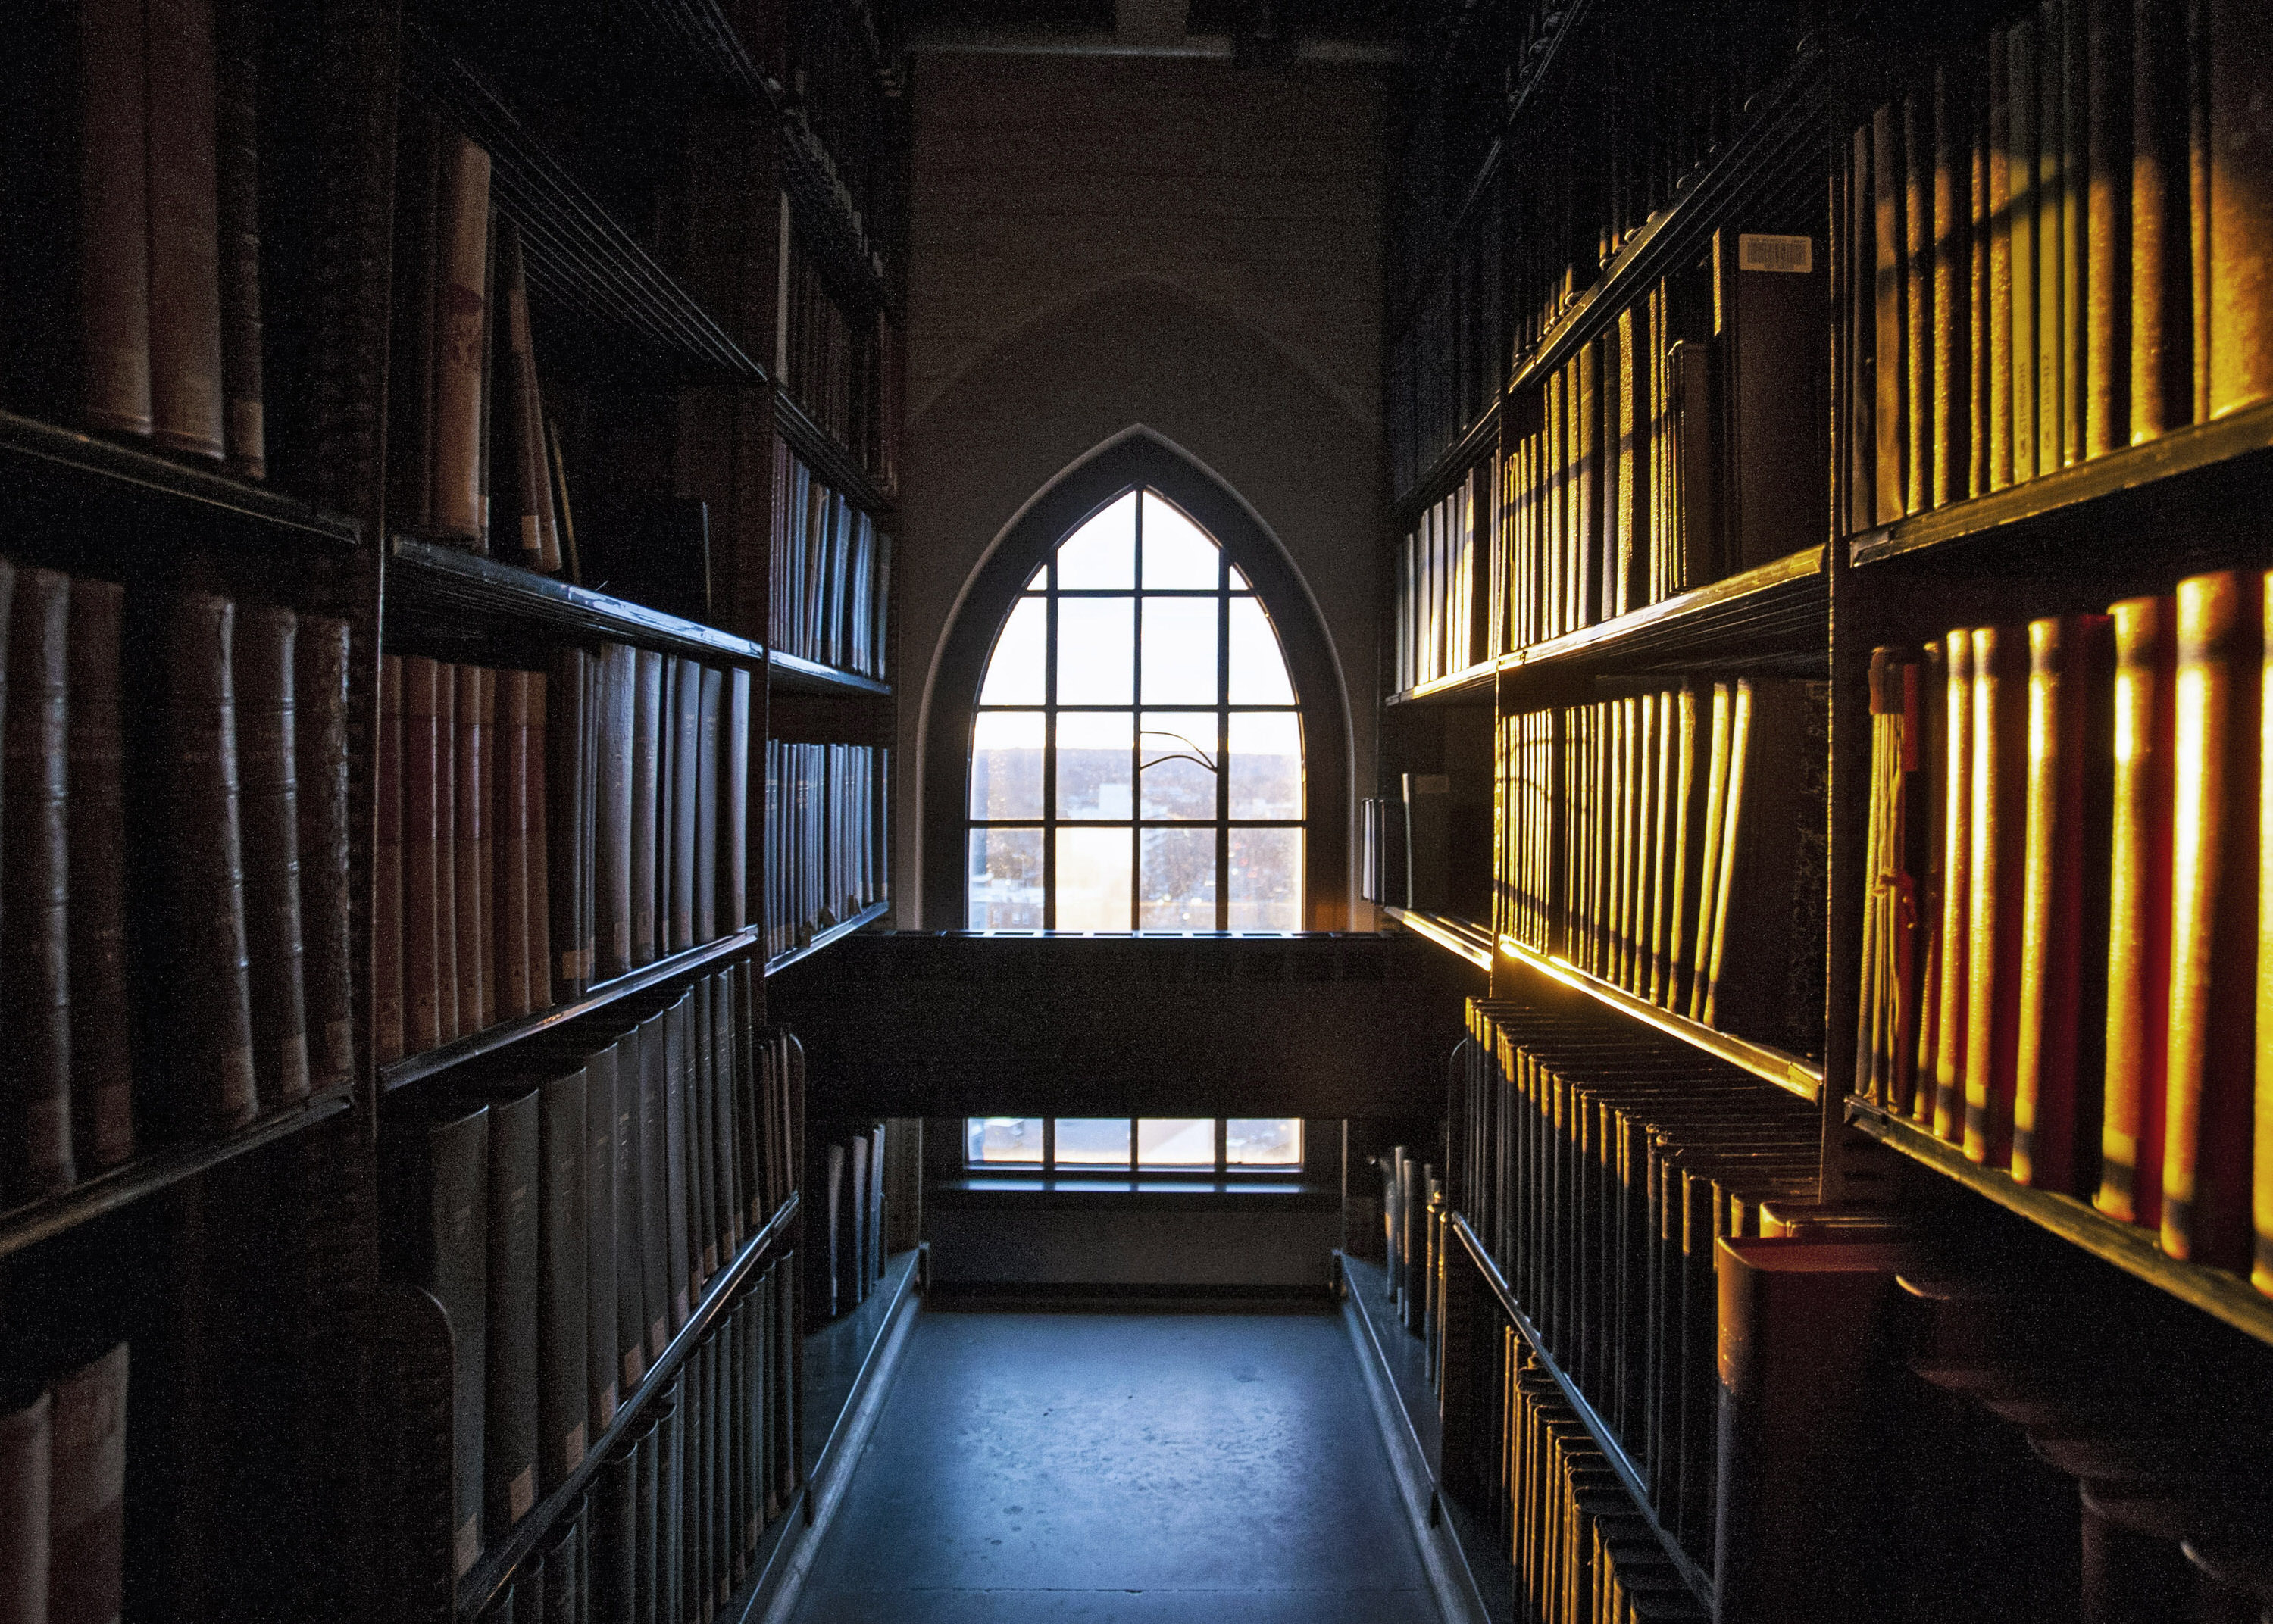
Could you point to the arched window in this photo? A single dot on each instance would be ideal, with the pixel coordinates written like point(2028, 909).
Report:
point(1136, 756)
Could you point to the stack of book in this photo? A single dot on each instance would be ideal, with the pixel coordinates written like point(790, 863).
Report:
point(831, 572)
point(569, 1217)
point(63, 1496)
point(542, 832)
point(825, 838)
point(2061, 939)
point(239, 768)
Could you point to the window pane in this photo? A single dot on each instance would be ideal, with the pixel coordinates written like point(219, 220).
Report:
point(1006, 880)
point(1006, 764)
point(1264, 1142)
point(1179, 651)
point(1177, 885)
point(1103, 552)
point(1267, 764)
point(1093, 879)
point(1175, 1141)
point(1259, 668)
point(995, 1141)
point(1014, 671)
point(1095, 639)
point(1178, 750)
point(1178, 554)
point(1266, 879)
point(1092, 1141)
point(1094, 763)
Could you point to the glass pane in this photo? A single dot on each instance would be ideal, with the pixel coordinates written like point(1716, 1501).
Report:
point(1267, 764)
point(1095, 648)
point(1179, 651)
point(1258, 668)
point(1006, 880)
point(1093, 764)
point(1266, 879)
point(1264, 1142)
point(1006, 764)
point(1014, 671)
point(1178, 555)
point(1179, 750)
point(1103, 552)
point(1175, 1141)
point(1092, 1141)
point(1093, 879)
point(996, 1140)
point(1238, 578)
point(1177, 884)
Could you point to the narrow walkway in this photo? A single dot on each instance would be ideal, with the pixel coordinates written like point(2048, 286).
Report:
point(1123, 1469)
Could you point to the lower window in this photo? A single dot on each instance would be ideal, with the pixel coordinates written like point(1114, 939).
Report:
point(1140, 1144)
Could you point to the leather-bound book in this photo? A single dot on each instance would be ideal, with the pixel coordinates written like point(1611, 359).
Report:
point(102, 1054)
point(536, 853)
point(603, 1176)
point(1949, 384)
point(1889, 414)
point(186, 376)
point(449, 959)
point(510, 1429)
point(647, 1516)
point(682, 1249)
point(1918, 299)
point(2214, 968)
point(629, 1206)
point(686, 797)
point(726, 1138)
point(655, 1186)
point(1714, 767)
point(1952, 1016)
point(671, 1503)
point(268, 755)
point(614, 1539)
point(460, 318)
point(1998, 153)
point(2161, 301)
point(619, 664)
point(562, 1301)
point(36, 1155)
point(701, 1150)
point(520, 433)
point(647, 823)
point(510, 842)
point(26, 1479)
point(707, 775)
point(236, 52)
point(422, 854)
point(321, 686)
point(568, 729)
point(734, 806)
point(86, 1493)
point(2052, 231)
point(114, 194)
point(471, 828)
point(2106, 227)
point(209, 1049)
point(1998, 828)
point(389, 1036)
point(2239, 51)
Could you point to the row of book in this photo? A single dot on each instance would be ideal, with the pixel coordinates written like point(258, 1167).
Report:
point(137, 289)
point(846, 1259)
point(569, 1219)
point(835, 105)
point(840, 364)
point(1409, 1187)
point(63, 1498)
point(831, 570)
point(540, 832)
point(1675, 844)
point(473, 452)
point(1438, 592)
point(825, 838)
point(2061, 936)
point(672, 1521)
point(2056, 244)
point(1447, 362)
point(1598, 1166)
point(196, 813)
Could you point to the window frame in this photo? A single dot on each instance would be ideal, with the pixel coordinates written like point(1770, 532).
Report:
point(1222, 1171)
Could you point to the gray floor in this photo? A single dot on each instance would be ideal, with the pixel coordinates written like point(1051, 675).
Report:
point(1127, 1469)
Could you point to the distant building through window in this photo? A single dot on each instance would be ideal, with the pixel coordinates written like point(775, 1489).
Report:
point(1137, 757)
point(1227, 1146)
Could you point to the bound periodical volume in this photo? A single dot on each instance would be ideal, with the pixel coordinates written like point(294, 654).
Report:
point(844, 1235)
point(63, 1486)
point(542, 832)
point(569, 1219)
point(825, 838)
point(835, 357)
point(831, 572)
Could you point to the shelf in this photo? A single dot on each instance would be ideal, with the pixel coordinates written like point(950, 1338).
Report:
point(489, 1575)
point(824, 221)
point(415, 1068)
point(1803, 1077)
point(1472, 942)
point(769, 1566)
point(453, 581)
point(1452, 466)
point(835, 932)
point(1607, 1441)
point(835, 467)
point(840, 1360)
point(706, 45)
point(156, 1169)
point(2131, 1247)
point(2102, 501)
point(789, 673)
point(67, 471)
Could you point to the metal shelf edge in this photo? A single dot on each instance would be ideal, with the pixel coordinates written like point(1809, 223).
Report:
point(1471, 942)
point(798, 674)
point(835, 932)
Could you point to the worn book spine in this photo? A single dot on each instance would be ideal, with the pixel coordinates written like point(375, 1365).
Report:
point(388, 1039)
point(538, 854)
point(1999, 154)
point(686, 789)
point(237, 46)
point(655, 1184)
point(568, 725)
point(461, 323)
point(602, 1354)
point(702, 1163)
point(1997, 829)
point(210, 1047)
point(449, 960)
point(523, 436)
point(510, 842)
point(679, 1202)
point(471, 788)
point(102, 1056)
point(27, 1479)
point(1919, 314)
point(114, 192)
point(1890, 371)
point(563, 1289)
point(86, 1493)
point(186, 359)
point(2052, 231)
point(511, 1430)
point(612, 784)
point(321, 656)
point(422, 854)
point(447, 1162)
point(646, 822)
point(708, 777)
point(734, 805)
point(485, 844)
point(1950, 388)
point(37, 1156)
point(629, 1205)
point(1952, 1019)
point(264, 654)
point(1716, 776)
point(2239, 337)
point(2106, 228)
point(2161, 303)
point(2022, 70)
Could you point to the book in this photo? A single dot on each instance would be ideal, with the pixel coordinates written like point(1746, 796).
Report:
point(615, 722)
point(511, 1427)
point(656, 1270)
point(2237, 210)
point(86, 1493)
point(679, 1202)
point(26, 1485)
point(710, 741)
point(320, 676)
point(684, 782)
point(568, 728)
point(603, 1210)
point(1997, 826)
point(537, 852)
point(1952, 1021)
point(101, 1058)
point(390, 1035)
point(734, 804)
point(453, 979)
point(647, 823)
point(459, 316)
point(517, 992)
point(563, 1287)
point(113, 204)
point(236, 185)
point(34, 890)
point(473, 848)
point(263, 652)
point(423, 855)
point(187, 407)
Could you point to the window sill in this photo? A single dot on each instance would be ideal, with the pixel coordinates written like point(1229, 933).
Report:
point(1151, 1192)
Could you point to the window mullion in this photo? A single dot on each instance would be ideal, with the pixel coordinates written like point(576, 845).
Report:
point(1136, 747)
point(1049, 1147)
point(1050, 767)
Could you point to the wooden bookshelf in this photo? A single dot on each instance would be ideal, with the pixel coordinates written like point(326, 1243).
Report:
point(787, 673)
point(1457, 937)
point(830, 461)
point(822, 939)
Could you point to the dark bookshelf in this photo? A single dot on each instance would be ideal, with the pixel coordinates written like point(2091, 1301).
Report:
point(1456, 936)
point(788, 673)
point(841, 1364)
point(1450, 467)
point(835, 934)
point(831, 463)
point(490, 1574)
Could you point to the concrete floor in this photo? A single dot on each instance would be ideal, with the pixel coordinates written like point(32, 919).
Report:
point(1124, 1469)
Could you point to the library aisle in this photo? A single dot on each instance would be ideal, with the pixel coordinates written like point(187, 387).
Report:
point(1200, 1468)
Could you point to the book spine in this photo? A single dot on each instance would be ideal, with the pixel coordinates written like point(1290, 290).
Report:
point(708, 776)
point(1890, 371)
point(568, 856)
point(388, 1039)
point(511, 1423)
point(422, 967)
point(734, 812)
point(460, 324)
point(236, 43)
point(2161, 302)
point(646, 805)
point(619, 672)
point(264, 654)
point(114, 192)
point(102, 1055)
point(510, 841)
point(563, 1295)
point(2107, 227)
point(522, 430)
point(320, 685)
point(1996, 827)
point(450, 968)
point(34, 889)
point(87, 1494)
point(2239, 207)
point(27, 1479)
point(2002, 261)
point(602, 1354)
point(537, 854)
point(655, 1201)
point(184, 256)
point(685, 786)
point(471, 788)
point(1952, 1018)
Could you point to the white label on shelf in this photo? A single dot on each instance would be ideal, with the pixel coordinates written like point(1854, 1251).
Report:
point(1758, 251)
